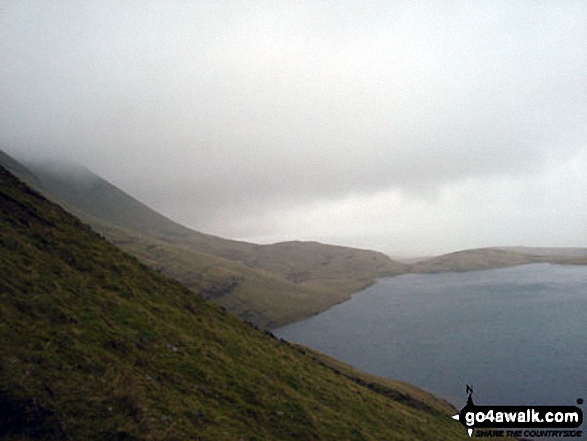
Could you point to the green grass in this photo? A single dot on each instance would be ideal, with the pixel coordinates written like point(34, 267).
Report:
point(96, 345)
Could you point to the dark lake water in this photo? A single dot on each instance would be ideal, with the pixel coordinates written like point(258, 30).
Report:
point(518, 335)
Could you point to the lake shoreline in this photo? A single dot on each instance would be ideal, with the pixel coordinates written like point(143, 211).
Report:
point(532, 284)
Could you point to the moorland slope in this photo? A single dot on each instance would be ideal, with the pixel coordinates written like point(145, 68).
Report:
point(269, 285)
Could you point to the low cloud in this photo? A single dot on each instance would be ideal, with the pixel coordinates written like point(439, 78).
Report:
point(409, 126)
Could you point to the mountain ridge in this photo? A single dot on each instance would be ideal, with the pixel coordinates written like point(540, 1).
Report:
point(270, 285)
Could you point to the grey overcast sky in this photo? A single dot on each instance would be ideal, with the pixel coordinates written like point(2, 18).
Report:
point(410, 127)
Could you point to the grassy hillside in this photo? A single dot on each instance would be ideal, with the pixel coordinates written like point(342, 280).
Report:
point(95, 345)
point(270, 285)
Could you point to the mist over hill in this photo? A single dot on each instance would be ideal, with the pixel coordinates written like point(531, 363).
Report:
point(412, 128)
point(269, 285)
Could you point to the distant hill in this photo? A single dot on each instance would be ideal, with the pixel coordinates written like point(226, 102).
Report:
point(488, 258)
point(269, 285)
point(97, 346)
point(544, 252)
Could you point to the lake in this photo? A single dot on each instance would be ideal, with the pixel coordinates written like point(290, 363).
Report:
point(518, 335)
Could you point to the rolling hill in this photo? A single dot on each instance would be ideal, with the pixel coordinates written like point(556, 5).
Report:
point(95, 345)
point(488, 258)
point(269, 285)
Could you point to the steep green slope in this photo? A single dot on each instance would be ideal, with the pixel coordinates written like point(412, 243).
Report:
point(270, 285)
point(95, 345)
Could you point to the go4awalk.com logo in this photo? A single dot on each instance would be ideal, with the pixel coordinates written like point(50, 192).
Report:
point(520, 421)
